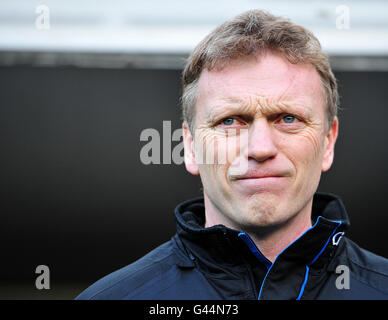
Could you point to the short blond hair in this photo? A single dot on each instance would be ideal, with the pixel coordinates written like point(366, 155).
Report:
point(252, 33)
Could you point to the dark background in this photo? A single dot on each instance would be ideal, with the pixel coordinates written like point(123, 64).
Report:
point(75, 196)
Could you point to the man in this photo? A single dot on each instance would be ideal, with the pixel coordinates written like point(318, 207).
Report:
point(259, 90)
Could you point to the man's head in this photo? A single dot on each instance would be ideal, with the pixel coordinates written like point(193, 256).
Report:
point(266, 80)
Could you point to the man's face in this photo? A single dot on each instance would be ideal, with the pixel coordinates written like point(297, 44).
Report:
point(272, 114)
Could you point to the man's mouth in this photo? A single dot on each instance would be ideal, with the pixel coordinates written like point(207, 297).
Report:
point(256, 174)
point(261, 181)
point(260, 176)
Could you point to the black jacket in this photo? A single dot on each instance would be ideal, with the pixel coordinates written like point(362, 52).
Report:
point(221, 263)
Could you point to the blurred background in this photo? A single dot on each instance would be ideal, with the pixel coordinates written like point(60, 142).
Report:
point(80, 81)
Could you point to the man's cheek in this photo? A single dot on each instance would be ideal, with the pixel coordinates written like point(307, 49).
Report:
point(303, 150)
point(312, 143)
point(209, 148)
point(233, 151)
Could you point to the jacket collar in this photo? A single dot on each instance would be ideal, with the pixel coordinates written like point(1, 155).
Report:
point(217, 244)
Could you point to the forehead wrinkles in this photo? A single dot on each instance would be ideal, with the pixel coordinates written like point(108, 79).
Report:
point(256, 105)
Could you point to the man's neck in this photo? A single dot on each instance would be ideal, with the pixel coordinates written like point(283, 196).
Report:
point(271, 241)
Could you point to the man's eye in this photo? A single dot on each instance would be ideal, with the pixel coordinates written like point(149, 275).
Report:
point(289, 118)
point(228, 121)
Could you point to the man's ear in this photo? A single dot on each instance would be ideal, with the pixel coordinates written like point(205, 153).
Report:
point(330, 139)
point(188, 140)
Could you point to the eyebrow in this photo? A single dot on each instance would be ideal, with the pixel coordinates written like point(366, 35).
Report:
point(250, 106)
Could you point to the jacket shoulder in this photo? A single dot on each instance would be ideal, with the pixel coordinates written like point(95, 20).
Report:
point(369, 268)
point(136, 280)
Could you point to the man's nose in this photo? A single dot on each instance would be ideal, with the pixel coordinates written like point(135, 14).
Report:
point(261, 146)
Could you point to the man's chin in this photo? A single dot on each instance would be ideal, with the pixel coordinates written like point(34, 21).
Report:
point(261, 210)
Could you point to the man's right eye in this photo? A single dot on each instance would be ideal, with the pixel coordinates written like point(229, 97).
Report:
point(228, 121)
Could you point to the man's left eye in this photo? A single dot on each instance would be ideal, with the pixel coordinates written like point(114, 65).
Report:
point(289, 118)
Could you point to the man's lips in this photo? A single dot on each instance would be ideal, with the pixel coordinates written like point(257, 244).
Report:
point(261, 180)
point(258, 176)
point(255, 183)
